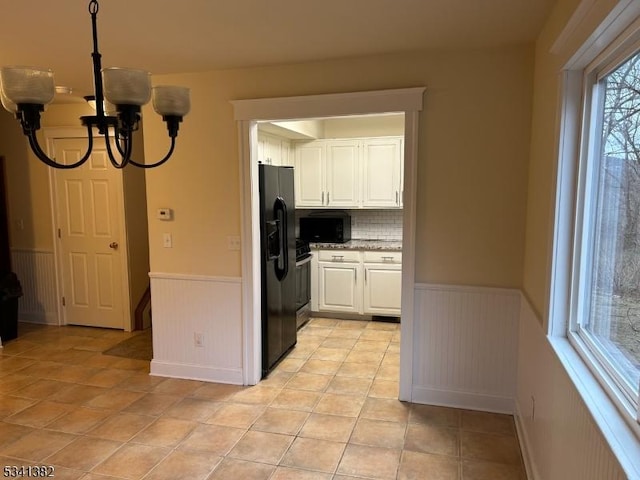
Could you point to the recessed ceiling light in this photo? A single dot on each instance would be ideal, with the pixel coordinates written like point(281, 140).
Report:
point(62, 89)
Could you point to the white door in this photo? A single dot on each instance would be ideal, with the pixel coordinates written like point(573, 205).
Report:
point(343, 173)
point(90, 235)
point(381, 161)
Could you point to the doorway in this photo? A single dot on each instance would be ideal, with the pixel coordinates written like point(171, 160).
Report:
point(91, 237)
point(99, 218)
point(247, 113)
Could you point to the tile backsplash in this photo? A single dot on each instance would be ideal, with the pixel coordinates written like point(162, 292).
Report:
point(370, 224)
point(376, 224)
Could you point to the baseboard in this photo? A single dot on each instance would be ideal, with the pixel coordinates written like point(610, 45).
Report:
point(39, 318)
point(466, 400)
point(525, 445)
point(196, 372)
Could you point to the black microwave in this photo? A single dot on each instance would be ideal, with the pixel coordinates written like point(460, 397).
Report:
point(334, 227)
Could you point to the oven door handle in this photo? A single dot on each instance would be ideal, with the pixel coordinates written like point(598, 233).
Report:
point(304, 261)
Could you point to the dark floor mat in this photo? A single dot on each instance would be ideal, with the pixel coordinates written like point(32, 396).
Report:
point(139, 347)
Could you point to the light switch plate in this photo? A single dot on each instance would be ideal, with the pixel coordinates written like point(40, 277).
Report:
point(167, 240)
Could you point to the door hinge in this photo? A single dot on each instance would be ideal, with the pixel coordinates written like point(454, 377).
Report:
point(64, 302)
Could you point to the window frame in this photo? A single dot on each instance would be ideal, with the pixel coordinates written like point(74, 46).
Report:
point(582, 93)
point(589, 189)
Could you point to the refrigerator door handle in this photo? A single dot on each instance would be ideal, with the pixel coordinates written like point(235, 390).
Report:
point(282, 264)
point(272, 239)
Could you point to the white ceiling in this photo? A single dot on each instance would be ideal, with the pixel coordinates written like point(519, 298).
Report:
point(168, 36)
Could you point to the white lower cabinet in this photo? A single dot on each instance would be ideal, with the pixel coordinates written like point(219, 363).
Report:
point(382, 289)
point(340, 288)
point(350, 281)
point(340, 281)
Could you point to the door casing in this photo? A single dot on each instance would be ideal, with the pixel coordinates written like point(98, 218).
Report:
point(247, 112)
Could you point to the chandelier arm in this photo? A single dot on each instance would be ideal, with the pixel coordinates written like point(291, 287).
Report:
point(157, 164)
point(118, 141)
point(126, 157)
point(42, 156)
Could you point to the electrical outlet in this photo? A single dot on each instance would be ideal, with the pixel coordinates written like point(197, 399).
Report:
point(198, 339)
point(233, 243)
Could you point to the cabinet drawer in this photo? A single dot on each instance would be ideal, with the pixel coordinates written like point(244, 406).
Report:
point(349, 256)
point(382, 257)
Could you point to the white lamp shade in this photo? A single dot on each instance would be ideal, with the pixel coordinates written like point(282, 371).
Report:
point(126, 86)
point(7, 104)
point(27, 84)
point(171, 100)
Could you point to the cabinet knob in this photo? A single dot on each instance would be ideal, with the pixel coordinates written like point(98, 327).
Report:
point(337, 258)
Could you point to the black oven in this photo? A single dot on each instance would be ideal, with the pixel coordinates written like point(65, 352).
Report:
point(303, 282)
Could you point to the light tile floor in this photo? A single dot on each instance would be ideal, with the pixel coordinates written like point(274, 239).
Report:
point(328, 411)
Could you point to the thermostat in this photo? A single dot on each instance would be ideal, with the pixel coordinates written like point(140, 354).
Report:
point(164, 214)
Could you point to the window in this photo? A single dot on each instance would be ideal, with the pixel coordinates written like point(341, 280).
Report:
point(605, 314)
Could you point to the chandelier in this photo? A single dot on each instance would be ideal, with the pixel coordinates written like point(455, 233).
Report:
point(118, 94)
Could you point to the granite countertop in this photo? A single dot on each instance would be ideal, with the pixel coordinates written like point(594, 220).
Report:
point(386, 245)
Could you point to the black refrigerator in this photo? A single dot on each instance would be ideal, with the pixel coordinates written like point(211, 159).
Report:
point(278, 263)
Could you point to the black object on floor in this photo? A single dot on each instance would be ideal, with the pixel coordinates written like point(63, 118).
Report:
point(10, 291)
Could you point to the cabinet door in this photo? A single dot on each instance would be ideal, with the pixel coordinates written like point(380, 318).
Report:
point(309, 175)
point(381, 171)
point(273, 150)
point(343, 173)
point(382, 289)
point(340, 287)
point(261, 149)
point(315, 289)
point(402, 172)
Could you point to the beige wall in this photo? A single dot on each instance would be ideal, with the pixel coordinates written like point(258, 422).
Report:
point(474, 141)
point(544, 142)
point(27, 190)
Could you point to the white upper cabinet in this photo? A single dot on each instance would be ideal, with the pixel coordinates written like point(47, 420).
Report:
point(349, 173)
point(309, 174)
point(381, 172)
point(273, 150)
point(343, 173)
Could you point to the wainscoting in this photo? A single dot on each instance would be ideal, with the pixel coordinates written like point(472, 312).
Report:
point(465, 347)
point(558, 435)
point(186, 305)
point(37, 273)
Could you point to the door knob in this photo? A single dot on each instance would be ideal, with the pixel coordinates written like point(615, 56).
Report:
point(113, 245)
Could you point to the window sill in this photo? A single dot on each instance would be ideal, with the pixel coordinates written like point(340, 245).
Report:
point(623, 438)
